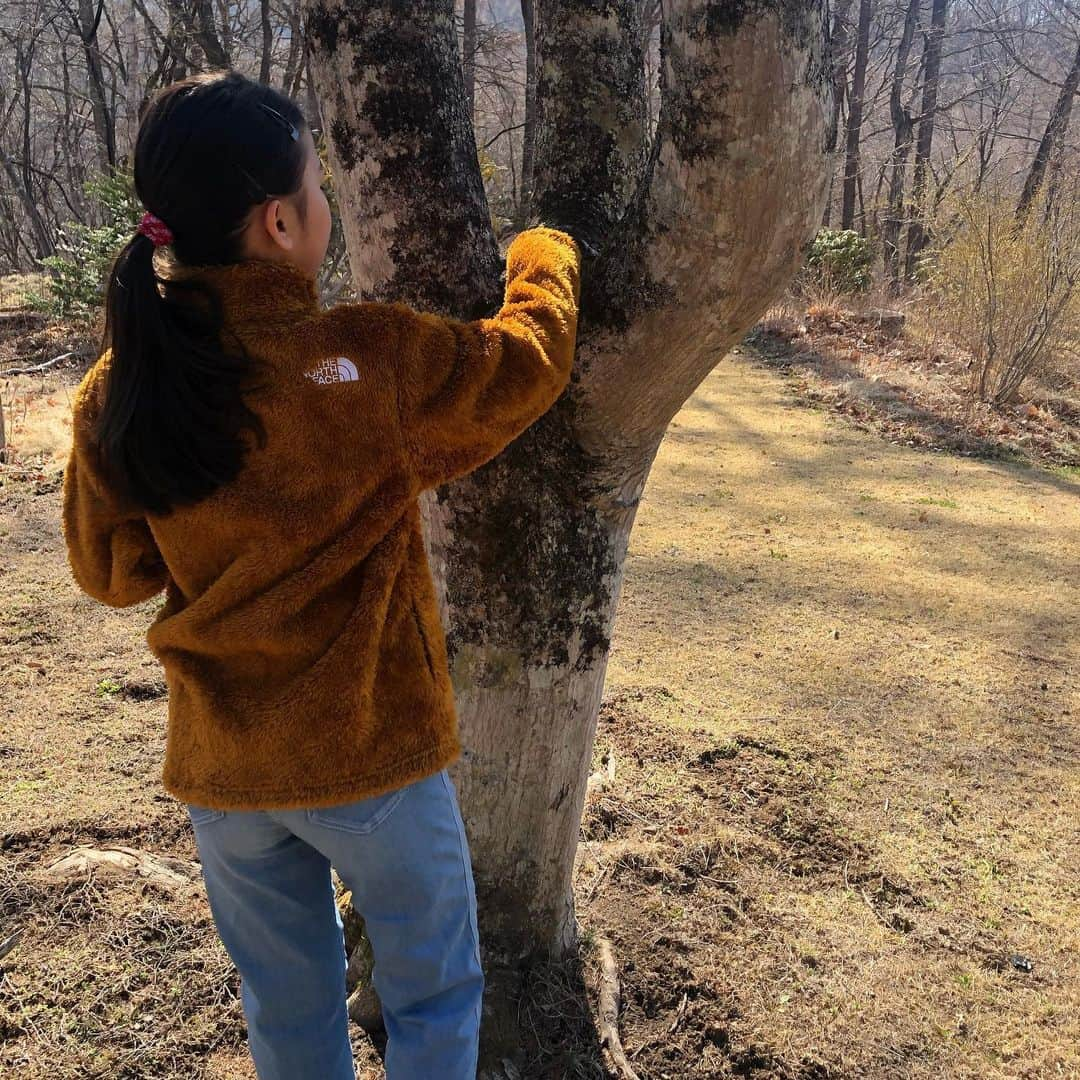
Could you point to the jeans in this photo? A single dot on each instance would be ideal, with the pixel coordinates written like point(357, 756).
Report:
point(405, 857)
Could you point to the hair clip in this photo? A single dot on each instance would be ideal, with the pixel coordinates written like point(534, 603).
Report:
point(294, 131)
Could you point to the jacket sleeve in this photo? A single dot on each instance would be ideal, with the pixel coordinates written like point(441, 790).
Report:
point(467, 389)
point(112, 552)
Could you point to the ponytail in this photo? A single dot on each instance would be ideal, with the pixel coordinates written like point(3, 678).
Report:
point(174, 424)
point(171, 429)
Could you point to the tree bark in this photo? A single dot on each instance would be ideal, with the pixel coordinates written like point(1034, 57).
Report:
point(855, 110)
point(916, 238)
point(1052, 140)
point(700, 235)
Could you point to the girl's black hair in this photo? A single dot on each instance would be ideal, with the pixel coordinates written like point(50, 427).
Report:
point(172, 424)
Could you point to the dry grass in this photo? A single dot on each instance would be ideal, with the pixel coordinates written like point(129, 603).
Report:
point(36, 407)
point(842, 708)
point(15, 288)
point(913, 387)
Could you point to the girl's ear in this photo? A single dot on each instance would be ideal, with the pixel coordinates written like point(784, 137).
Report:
point(275, 225)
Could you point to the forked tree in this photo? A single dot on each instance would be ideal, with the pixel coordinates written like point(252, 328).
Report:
point(701, 226)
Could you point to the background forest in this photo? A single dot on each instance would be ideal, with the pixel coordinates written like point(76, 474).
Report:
point(954, 197)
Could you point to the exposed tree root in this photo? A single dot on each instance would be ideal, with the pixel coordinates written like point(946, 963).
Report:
point(609, 1011)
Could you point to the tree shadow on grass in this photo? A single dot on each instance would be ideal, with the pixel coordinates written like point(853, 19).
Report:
point(889, 407)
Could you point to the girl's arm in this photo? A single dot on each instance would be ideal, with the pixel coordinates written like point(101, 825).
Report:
point(467, 389)
point(112, 552)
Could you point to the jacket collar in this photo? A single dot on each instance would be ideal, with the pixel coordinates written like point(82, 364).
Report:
point(255, 291)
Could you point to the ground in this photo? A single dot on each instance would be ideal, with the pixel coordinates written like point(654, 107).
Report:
point(836, 836)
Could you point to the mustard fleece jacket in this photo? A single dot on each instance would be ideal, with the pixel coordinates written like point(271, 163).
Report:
point(300, 635)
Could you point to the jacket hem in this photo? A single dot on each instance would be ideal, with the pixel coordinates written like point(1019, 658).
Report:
point(396, 774)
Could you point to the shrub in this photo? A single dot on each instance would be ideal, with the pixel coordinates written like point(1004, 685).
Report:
point(1008, 291)
point(839, 261)
point(85, 253)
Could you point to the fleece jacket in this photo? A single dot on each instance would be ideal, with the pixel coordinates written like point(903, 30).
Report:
point(300, 635)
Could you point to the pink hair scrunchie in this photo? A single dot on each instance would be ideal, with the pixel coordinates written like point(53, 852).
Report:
point(155, 229)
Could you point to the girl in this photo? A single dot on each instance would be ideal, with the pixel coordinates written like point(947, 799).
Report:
point(260, 459)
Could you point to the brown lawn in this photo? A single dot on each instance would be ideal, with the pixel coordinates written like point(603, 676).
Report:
point(842, 836)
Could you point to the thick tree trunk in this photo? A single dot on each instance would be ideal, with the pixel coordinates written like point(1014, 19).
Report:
point(916, 238)
point(855, 110)
point(1053, 138)
point(701, 234)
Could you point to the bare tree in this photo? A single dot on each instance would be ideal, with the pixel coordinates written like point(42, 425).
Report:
point(1053, 137)
point(528, 154)
point(916, 238)
point(903, 126)
point(855, 109)
point(87, 19)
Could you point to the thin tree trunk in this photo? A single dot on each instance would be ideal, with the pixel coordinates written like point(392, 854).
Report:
point(528, 141)
point(207, 36)
point(902, 135)
point(468, 54)
point(43, 244)
point(23, 178)
point(917, 237)
point(855, 109)
point(267, 42)
point(1053, 138)
point(87, 23)
point(701, 235)
point(841, 43)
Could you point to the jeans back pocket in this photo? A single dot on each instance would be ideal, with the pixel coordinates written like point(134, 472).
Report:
point(359, 817)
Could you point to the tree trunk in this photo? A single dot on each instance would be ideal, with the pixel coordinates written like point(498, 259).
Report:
point(528, 141)
point(206, 34)
point(855, 109)
point(902, 134)
point(841, 43)
point(22, 179)
point(701, 234)
point(89, 19)
point(468, 54)
point(916, 238)
point(1052, 140)
point(266, 55)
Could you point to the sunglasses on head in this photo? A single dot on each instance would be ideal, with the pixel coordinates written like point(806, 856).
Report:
point(293, 130)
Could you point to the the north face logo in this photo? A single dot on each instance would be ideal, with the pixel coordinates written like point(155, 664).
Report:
point(333, 370)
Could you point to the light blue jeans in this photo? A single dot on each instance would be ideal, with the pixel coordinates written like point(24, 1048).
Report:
point(405, 857)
